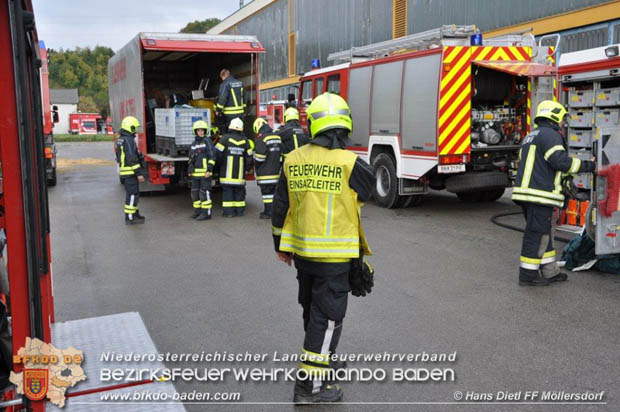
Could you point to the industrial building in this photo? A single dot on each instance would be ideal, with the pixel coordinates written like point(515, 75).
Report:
point(66, 101)
point(296, 32)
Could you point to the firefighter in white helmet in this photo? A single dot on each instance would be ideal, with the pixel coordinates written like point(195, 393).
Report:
point(317, 223)
point(539, 188)
point(232, 150)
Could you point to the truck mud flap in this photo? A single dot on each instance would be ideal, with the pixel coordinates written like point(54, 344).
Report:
point(477, 181)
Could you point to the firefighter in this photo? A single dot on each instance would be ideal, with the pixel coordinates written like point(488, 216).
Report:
point(131, 165)
point(231, 151)
point(316, 223)
point(267, 162)
point(201, 164)
point(291, 133)
point(230, 103)
point(538, 189)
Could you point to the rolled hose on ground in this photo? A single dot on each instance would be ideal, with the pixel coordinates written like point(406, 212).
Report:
point(494, 220)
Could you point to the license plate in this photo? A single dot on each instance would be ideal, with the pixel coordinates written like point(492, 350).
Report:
point(451, 168)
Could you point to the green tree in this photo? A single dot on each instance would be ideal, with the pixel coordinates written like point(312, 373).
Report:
point(85, 69)
point(87, 105)
point(198, 26)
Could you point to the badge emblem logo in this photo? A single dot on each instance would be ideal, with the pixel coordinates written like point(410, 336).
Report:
point(36, 383)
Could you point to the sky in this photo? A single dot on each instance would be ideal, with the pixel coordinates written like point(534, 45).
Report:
point(112, 23)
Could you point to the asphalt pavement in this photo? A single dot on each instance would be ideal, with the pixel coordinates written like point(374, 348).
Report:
point(446, 281)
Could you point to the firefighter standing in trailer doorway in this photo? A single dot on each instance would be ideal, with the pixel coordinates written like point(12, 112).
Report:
point(539, 189)
point(230, 103)
point(317, 223)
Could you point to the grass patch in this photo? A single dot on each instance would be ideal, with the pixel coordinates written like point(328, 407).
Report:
point(83, 137)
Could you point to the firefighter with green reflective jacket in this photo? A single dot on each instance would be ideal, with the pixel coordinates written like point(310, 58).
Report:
point(201, 164)
point(131, 167)
point(267, 164)
point(544, 169)
point(291, 133)
point(317, 224)
point(231, 152)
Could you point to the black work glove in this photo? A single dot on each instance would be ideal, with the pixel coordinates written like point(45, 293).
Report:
point(588, 166)
point(361, 277)
point(568, 187)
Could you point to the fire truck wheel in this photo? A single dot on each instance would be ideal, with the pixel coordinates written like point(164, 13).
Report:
point(386, 190)
point(411, 201)
point(469, 196)
point(492, 195)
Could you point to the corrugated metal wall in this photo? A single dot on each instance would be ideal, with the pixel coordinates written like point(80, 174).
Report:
point(327, 26)
point(486, 14)
point(270, 25)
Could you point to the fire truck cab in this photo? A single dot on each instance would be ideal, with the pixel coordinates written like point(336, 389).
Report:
point(433, 110)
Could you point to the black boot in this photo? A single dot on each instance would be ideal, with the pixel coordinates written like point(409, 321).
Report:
point(560, 277)
point(328, 393)
point(204, 216)
point(134, 221)
point(538, 281)
point(138, 216)
point(264, 215)
point(196, 213)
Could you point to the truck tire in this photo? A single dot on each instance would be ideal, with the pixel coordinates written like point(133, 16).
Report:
point(477, 182)
point(51, 181)
point(492, 195)
point(412, 201)
point(385, 191)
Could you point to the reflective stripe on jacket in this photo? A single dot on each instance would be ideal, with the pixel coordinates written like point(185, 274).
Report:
point(267, 158)
point(323, 219)
point(542, 161)
point(201, 157)
point(231, 151)
point(230, 97)
point(127, 155)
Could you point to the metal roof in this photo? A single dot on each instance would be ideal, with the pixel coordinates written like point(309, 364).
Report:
point(64, 96)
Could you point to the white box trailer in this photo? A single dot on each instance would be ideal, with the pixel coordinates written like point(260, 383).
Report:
point(167, 63)
point(432, 110)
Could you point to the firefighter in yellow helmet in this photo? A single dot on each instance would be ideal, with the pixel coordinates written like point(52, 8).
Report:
point(317, 224)
point(267, 164)
point(291, 133)
point(131, 168)
point(231, 151)
point(201, 164)
point(539, 188)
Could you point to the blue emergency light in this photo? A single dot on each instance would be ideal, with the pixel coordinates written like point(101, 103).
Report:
point(316, 63)
point(476, 39)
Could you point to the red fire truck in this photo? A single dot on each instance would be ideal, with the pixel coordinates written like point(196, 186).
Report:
point(83, 123)
point(433, 110)
point(169, 63)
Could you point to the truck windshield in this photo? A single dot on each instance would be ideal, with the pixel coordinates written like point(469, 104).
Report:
point(88, 125)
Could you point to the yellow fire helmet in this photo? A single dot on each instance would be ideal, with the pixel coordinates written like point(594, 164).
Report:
point(291, 114)
point(200, 124)
point(236, 124)
point(328, 111)
point(258, 123)
point(130, 124)
point(551, 110)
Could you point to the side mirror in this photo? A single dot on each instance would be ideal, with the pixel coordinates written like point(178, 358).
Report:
point(55, 118)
